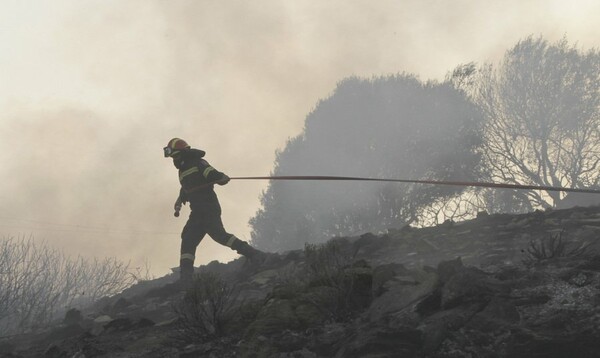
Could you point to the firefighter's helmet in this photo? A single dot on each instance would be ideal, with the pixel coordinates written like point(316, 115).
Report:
point(175, 146)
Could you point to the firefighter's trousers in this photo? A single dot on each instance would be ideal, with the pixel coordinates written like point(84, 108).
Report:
point(200, 223)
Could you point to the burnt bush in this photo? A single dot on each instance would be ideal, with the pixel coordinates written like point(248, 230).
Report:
point(207, 309)
point(554, 246)
point(336, 284)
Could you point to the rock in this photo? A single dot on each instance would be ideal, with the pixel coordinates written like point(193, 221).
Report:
point(151, 306)
point(377, 340)
point(120, 305)
point(368, 243)
point(99, 323)
point(327, 340)
point(330, 302)
point(499, 314)
point(143, 323)
point(103, 319)
point(529, 343)
point(308, 314)
point(54, 352)
point(535, 300)
point(470, 285)
point(401, 291)
point(273, 260)
point(302, 353)
point(61, 333)
point(118, 324)
point(579, 279)
point(200, 350)
point(447, 269)
point(275, 317)
point(264, 277)
point(289, 341)
point(6, 348)
point(382, 274)
point(436, 328)
point(72, 317)
point(430, 304)
point(592, 264)
point(361, 285)
point(167, 322)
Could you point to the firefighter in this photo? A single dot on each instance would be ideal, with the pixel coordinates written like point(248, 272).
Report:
point(197, 178)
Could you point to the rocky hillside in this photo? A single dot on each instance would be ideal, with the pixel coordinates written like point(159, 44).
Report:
point(495, 286)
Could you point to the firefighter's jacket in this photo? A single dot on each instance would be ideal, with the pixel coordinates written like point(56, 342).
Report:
point(197, 178)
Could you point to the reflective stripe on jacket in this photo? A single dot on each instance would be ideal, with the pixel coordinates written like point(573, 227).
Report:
point(196, 176)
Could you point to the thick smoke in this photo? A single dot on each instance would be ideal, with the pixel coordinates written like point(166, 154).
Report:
point(388, 127)
point(91, 91)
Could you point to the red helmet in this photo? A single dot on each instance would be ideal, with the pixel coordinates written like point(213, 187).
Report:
point(174, 146)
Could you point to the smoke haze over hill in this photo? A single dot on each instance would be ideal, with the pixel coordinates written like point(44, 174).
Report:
point(91, 91)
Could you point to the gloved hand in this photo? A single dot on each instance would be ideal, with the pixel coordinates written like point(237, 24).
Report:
point(177, 207)
point(224, 180)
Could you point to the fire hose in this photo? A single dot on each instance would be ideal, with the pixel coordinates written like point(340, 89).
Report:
point(411, 181)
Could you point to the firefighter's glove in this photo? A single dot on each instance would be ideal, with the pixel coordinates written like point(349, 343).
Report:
point(177, 206)
point(224, 180)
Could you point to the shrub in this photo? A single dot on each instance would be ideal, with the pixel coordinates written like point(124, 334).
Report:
point(326, 262)
point(551, 247)
point(207, 308)
point(331, 280)
point(38, 283)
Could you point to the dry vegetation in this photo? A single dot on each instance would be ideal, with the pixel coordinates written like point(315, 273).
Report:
point(38, 283)
point(552, 247)
point(207, 308)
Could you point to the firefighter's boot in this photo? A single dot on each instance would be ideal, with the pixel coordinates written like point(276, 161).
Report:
point(186, 272)
point(253, 255)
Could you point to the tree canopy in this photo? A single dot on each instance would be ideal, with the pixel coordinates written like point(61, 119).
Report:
point(542, 108)
point(392, 127)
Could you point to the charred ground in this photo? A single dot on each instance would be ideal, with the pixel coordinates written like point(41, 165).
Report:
point(496, 286)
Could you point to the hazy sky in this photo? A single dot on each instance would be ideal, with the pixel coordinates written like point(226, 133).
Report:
point(90, 92)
